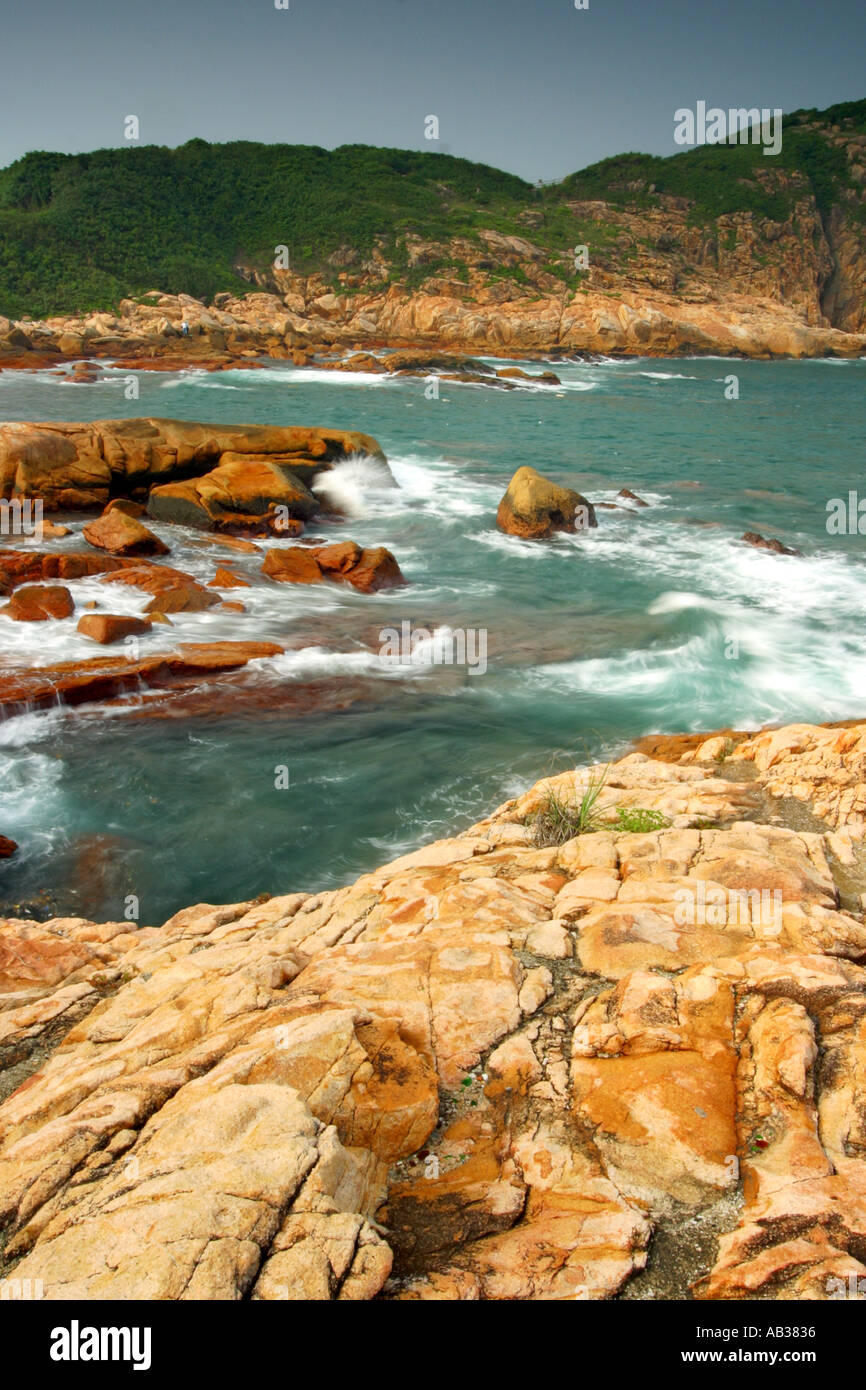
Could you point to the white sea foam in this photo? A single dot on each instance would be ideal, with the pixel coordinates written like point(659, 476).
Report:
point(348, 485)
point(669, 376)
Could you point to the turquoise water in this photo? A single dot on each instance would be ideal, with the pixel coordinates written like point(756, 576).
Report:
point(658, 620)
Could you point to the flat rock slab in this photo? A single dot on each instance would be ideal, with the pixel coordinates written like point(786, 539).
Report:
point(74, 682)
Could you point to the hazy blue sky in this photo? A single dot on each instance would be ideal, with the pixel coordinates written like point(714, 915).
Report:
point(533, 86)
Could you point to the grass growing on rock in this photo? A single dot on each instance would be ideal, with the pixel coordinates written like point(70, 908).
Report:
point(639, 820)
point(561, 818)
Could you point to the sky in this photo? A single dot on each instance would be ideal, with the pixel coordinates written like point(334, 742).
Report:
point(536, 87)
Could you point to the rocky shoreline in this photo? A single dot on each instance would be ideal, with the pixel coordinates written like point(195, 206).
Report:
point(496, 1068)
point(309, 324)
point(236, 488)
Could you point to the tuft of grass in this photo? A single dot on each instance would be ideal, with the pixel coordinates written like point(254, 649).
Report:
point(560, 820)
point(640, 820)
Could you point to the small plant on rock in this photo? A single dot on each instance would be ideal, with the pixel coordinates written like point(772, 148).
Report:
point(560, 819)
point(639, 820)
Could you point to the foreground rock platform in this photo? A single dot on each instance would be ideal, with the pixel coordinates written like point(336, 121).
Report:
point(491, 1069)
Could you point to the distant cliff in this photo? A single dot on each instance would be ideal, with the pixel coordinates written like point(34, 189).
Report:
point(719, 248)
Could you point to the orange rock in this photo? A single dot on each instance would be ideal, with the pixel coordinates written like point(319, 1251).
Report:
point(127, 506)
point(377, 569)
point(104, 677)
point(110, 627)
point(25, 566)
point(294, 565)
point(173, 591)
point(232, 608)
point(39, 602)
point(337, 559)
point(345, 562)
point(79, 466)
point(227, 579)
point(7, 847)
point(120, 534)
point(534, 507)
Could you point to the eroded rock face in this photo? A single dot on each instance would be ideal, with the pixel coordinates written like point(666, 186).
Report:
point(244, 492)
point(368, 570)
point(533, 507)
point(80, 466)
point(491, 1069)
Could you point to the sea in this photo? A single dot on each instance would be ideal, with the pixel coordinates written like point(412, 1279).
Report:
point(321, 764)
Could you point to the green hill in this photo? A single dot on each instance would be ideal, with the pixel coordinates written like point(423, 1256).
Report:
point(81, 232)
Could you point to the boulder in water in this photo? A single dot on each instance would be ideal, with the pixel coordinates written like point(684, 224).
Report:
point(366, 570)
point(107, 628)
point(534, 507)
point(37, 603)
point(121, 534)
point(768, 543)
point(227, 579)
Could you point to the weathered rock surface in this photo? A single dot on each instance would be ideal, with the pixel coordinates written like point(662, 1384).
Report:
point(245, 492)
point(37, 603)
point(533, 507)
point(488, 1070)
point(106, 628)
point(346, 562)
point(172, 590)
point(81, 466)
point(26, 566)
point(104, 678)
point(121, 534)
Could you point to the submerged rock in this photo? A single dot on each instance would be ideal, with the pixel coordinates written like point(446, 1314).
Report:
point(104, 678)
point(172, 590)
point(768, 543)
point(533, 507)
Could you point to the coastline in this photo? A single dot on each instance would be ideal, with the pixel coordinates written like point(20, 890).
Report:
point(148, 333)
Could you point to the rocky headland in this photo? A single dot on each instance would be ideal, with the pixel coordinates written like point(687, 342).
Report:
point(499, 1067)
point(311, 324)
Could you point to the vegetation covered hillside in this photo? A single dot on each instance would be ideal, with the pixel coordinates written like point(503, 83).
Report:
point(80, 232)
